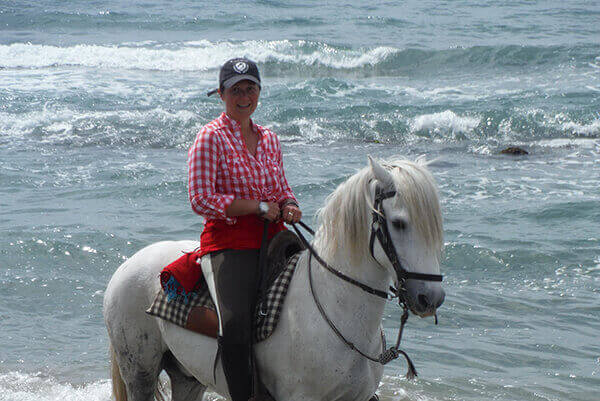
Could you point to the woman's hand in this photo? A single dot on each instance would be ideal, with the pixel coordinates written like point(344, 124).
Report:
point(272, 214)
point(291, 213)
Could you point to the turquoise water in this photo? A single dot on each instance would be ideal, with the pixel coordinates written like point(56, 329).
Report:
point(99, 102)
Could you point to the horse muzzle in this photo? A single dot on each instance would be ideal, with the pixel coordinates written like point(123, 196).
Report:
point(423, 298)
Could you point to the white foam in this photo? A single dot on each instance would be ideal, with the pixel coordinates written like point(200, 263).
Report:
point(189, 56)
point(444, 121)
point(20, 55)
point(309, 129)
point(138, 167)
point(444, 92)
point(59, 123)
point(481, 150)
point(592, 128)
point(397, 388)
point(565, 123)
point(17, 386)
point(587, 143)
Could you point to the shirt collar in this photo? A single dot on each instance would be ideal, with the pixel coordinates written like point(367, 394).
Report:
point(236, 126)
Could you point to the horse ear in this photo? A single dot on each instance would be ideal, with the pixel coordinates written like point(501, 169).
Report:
point(380, 173)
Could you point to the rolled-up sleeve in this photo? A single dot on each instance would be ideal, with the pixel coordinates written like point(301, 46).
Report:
point(203, 159)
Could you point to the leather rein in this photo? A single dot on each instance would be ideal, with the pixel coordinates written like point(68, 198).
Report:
point(380, 231)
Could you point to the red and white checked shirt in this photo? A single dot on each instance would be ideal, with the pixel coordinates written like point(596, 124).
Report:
point(220, 169)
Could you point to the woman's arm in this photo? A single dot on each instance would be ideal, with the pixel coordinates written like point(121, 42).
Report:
point(202, 176)
point(242, 207)
point(290, 211)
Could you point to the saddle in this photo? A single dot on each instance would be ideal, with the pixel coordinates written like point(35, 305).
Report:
point(197, 312)
point(282, 247)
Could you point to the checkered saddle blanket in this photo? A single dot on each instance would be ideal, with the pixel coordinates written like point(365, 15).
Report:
point(177, 310)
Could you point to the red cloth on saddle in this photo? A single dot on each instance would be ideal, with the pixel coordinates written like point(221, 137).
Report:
point(186, 270)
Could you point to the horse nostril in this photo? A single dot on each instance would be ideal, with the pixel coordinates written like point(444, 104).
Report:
point(424, 301)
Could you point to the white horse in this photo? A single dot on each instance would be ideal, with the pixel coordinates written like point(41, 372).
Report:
point(303, 359)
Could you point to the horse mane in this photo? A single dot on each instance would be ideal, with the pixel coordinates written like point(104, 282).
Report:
point(345, 220)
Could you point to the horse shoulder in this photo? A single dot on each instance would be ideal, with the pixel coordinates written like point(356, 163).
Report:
point(309, 352)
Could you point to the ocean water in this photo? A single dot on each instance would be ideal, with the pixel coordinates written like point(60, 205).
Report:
point(100, 100)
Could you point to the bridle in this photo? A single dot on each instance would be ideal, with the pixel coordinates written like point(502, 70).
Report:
point(379, 230)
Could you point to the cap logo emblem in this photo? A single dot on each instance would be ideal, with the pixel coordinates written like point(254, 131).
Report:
point(240, 67)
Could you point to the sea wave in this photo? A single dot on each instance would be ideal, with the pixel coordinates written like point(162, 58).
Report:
point(160, 127)
point(153, 127)
point(190, 56)
point(17, 386)
point(444, 121)
point(281, 56)
point(593, 128)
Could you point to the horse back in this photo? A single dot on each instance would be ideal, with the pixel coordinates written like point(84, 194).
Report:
point(135, 283)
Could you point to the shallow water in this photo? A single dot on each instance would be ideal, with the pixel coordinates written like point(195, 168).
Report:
point(99, 102)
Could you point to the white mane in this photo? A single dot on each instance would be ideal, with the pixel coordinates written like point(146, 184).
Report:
point(345, 220)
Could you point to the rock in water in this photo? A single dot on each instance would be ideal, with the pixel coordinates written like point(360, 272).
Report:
point(514, 150)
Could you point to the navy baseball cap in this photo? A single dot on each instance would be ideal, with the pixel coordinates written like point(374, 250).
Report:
point(236, 70)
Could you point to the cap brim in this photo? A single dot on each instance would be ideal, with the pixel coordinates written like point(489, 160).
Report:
point(234, 80)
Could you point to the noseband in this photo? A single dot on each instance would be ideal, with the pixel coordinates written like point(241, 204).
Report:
point(379, 230)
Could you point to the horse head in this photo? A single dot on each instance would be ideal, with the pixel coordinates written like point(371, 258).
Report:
point(407, 213)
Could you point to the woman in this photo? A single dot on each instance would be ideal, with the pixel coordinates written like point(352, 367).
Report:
point(236, 180)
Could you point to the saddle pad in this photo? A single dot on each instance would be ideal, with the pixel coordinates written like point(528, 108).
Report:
point(177, 311)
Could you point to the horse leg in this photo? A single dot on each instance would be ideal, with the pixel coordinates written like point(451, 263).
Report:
point(183, 387)
point(130, 382)
point(135, 372)
point(118, 385)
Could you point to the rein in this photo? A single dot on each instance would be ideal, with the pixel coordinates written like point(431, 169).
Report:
point(386, 356)
point(364, 287)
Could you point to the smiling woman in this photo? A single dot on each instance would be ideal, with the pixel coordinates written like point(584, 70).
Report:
point(240, 102)
point(236, 181)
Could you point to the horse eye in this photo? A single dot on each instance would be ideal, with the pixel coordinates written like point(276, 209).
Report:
point(399, 224)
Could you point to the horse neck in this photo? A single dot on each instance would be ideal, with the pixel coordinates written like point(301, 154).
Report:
point(347, 304)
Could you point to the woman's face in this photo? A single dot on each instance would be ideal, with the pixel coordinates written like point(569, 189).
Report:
point(241, 100)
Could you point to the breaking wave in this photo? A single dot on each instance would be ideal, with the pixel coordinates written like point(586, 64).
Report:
point(285, 55)
point(16, 386)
